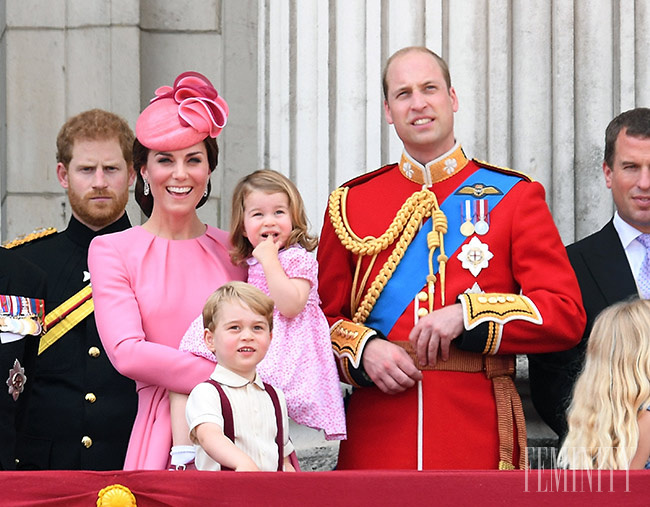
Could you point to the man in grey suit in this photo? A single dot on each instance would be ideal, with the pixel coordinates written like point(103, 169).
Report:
point(607, 263)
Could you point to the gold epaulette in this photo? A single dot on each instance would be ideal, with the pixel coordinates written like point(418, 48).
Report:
point(497, 309)
point(502, 169)
point(28, 238)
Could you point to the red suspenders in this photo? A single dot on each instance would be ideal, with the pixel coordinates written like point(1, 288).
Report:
point(229, 426)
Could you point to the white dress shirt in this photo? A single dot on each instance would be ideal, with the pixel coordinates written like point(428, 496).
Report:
point(253, 417)
point(634, 250)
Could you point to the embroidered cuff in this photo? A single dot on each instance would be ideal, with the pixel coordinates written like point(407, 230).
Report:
point(485, 338)
point(485, 315)
point(348, 342)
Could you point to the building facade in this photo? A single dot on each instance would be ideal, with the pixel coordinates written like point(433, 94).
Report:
point(537, 82)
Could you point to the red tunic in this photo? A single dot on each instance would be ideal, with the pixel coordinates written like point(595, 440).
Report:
point(459, 413)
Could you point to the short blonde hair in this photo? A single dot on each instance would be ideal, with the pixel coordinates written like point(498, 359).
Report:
point(270, 182)
point(613, 386)
point(241, 293)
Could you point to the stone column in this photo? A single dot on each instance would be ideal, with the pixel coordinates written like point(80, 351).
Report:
point(58, 58)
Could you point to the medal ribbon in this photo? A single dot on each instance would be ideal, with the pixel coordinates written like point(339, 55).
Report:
point(20, 306)
point(410, 275)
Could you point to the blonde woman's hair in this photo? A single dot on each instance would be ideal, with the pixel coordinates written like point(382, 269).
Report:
point(242, 294)
point(269, 182)
point(611, 389)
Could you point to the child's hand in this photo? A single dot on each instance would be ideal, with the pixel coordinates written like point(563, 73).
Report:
point(266, 250)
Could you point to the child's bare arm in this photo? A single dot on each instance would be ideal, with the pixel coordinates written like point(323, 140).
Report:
point(180, 429)
point(221, 449)
point(288, 467)
point(289, 294)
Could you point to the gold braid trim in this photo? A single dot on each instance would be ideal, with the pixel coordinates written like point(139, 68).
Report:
point(419, 206)
point(27, 238)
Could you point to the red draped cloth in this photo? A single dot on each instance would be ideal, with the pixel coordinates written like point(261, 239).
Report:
point(193, 488)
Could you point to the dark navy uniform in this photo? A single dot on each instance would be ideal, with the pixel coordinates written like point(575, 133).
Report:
point(18, 277)
point(81, 410)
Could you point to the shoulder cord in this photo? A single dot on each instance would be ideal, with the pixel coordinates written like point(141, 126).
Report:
point(419, 206)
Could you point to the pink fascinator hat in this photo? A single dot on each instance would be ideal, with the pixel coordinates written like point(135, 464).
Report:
point(182, 115)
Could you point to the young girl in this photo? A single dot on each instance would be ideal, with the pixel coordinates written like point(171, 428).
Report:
point(269, 233)
point(609, 416)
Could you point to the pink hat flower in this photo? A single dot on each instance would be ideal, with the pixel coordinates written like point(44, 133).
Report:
point(182, 115)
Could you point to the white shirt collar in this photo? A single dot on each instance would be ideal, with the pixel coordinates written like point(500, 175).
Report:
point(625, 231)
point(231, 379)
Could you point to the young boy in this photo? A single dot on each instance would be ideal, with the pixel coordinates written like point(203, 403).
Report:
point(238, 320)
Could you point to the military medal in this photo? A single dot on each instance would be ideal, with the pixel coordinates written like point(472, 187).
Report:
point(20, 315)
point(467, 227)
point(16, 381)
point(482, 226)
point(33, 327)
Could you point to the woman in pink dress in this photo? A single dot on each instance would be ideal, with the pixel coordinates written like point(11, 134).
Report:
point(149, 282)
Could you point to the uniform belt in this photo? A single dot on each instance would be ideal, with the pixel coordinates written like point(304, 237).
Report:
point(510, 414)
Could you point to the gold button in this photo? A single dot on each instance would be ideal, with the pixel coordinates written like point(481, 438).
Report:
point(87, 441)
point(423, 296)
point(422, 312)
point(492, 300)
point(501, 299)
point(91, 397)
point(94, 352)
point(510, 299)
point(482, 299)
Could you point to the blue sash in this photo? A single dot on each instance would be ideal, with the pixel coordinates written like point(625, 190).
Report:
point(411, 273)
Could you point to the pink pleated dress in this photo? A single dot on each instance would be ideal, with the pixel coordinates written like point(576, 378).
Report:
point(146, 291)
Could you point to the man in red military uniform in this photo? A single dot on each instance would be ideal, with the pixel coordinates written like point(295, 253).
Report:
point(434, 272)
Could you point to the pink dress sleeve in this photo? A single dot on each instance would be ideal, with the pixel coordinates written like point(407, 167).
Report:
point(118, 317)
point(193, 341)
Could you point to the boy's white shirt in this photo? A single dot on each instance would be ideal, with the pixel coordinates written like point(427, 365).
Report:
point(253, 414)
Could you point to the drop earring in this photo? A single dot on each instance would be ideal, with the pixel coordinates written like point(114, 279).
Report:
point(205, 192)
point(146, 187)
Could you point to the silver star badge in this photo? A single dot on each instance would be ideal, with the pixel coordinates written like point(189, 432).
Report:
point(475, 256)
point(474, 289)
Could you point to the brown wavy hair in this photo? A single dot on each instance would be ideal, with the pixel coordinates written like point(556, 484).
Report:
point(269, 182)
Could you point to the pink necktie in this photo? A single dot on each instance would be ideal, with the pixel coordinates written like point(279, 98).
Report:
point(643, 280)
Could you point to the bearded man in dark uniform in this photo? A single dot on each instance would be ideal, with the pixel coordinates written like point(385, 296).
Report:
point(81, 410)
